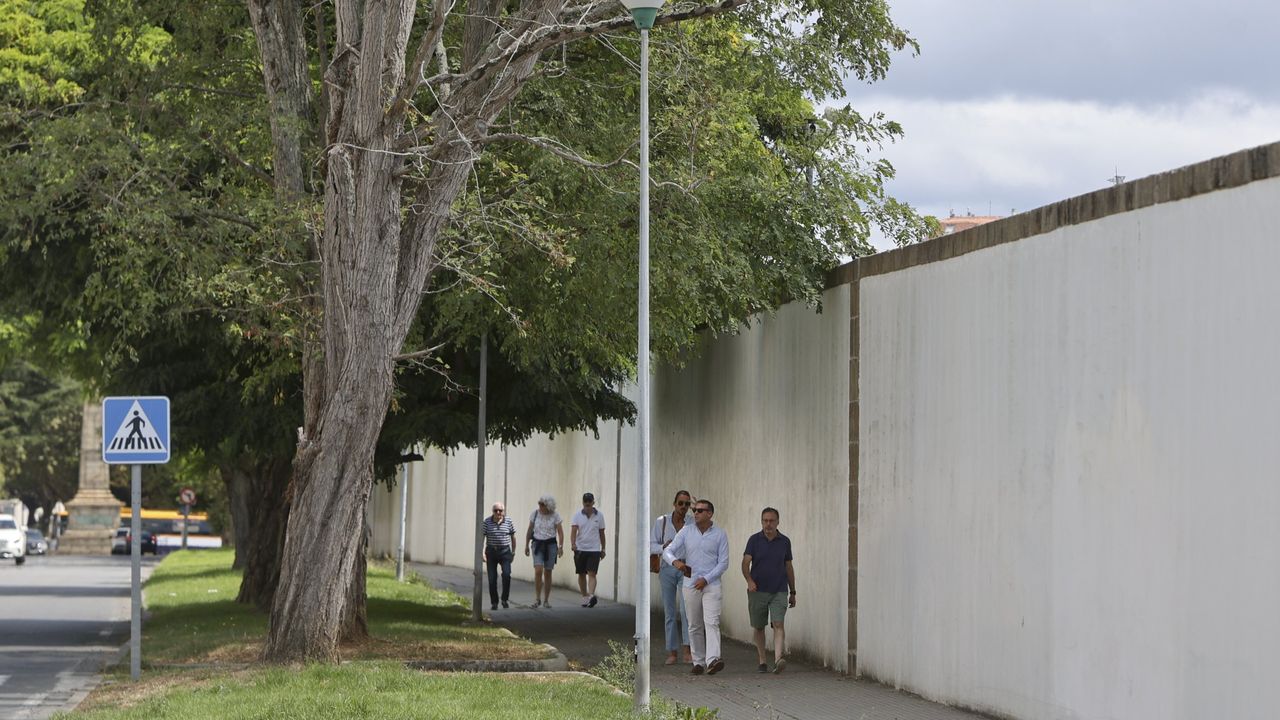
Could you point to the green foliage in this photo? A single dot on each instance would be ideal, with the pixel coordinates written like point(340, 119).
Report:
point(618, 669)
point(142, 247)
point(139, 242)
point(544, 249)
point(44, 50)
point(39, 435)
point(154, 201)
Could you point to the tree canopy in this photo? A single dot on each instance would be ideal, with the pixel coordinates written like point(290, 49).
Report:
point(304, 217)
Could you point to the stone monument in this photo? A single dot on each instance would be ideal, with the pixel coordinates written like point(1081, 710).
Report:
point(94, 511)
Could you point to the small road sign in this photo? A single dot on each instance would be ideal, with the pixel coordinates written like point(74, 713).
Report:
point(187, 496)
point(135, 430)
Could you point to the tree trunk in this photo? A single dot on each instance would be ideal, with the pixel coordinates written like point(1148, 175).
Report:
point(333, 478)
point(374, 272)
point(236, 482)
point(355, 616)
point(280, 28)
point(265, 517)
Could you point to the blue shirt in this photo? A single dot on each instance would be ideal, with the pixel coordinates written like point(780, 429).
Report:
point(769, 560)
point(706, 553)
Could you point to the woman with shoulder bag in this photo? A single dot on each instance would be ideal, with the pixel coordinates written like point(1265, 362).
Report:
point(665, 528)
point(546, 538)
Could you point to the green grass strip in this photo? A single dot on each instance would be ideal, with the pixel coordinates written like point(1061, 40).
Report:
point(371, 690)
point(193, 618)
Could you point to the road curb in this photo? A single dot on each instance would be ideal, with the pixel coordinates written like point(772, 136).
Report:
point(556, 663)
point(95, 668)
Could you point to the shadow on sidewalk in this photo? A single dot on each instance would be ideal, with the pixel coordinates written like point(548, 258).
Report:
point(802, 692)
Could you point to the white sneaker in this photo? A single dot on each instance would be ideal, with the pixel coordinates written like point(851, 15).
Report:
point(586, 601)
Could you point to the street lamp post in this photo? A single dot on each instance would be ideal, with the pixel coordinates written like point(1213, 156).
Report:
point(643, 13)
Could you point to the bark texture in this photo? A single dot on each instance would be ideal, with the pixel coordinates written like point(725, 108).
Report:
point(260, 514)
point(377, 249)
point(355, 615)
point(279, 27)
point(237, 486)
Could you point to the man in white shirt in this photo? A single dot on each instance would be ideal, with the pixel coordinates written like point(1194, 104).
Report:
point(701, 552)
point(587, 540)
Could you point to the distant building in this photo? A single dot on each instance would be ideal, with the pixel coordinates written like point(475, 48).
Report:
point(956, 223)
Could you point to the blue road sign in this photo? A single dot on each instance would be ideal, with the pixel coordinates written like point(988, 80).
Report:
point(135, 430)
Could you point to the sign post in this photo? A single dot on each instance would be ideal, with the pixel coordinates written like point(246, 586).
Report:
point(135, 431)
point(188, 498)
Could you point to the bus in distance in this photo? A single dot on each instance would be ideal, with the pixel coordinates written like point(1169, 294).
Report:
point(166, 526)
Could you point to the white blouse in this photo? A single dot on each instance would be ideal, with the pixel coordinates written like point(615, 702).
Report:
point(544, 526)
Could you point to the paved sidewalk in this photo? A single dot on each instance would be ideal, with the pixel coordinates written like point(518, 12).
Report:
point(802, 692)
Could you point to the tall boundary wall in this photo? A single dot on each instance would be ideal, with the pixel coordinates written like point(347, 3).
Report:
point(752, 420)
point(1028, 468)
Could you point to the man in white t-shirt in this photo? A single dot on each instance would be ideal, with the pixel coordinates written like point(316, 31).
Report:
point(587, 540)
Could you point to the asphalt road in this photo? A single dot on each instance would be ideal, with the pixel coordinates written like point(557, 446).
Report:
point(61, 620)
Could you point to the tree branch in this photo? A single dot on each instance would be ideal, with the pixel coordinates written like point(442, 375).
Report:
point(211, 91)
point(421, 57)
point(557, 148)
point(233, 156)
point(428, 352)
point(588, 13)
point(556, 34)
point(229, 217)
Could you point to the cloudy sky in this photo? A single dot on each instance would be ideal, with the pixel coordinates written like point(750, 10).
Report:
point(1014, 104)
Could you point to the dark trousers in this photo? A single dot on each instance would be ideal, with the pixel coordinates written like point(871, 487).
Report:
point(494, 557)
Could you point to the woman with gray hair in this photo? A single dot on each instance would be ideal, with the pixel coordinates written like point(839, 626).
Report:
point(546, 536)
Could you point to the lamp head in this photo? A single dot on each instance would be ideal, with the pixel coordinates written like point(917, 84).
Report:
point(643, 12)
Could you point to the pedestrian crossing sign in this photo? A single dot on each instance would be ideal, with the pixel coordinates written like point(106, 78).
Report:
point(135, 430)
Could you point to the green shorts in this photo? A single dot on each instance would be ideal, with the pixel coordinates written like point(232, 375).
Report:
point(766, 608)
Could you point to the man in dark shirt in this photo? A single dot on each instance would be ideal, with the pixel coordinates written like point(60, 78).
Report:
point(771, 586)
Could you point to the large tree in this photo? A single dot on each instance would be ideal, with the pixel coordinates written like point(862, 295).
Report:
point(39, 432)
point(131, 230)
point(400, 164)
point(406, 117)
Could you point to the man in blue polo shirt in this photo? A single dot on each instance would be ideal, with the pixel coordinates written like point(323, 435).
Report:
point(771, 586)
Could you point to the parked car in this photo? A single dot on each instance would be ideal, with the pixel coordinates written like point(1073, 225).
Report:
point(13, 541)
point(36, 544)
point(122, 542)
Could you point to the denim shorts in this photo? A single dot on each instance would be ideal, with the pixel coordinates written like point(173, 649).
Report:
point(544, 553)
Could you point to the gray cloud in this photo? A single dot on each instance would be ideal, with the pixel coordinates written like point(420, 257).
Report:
point(1002, 154)
point(1143, 51)
point(1017, 104)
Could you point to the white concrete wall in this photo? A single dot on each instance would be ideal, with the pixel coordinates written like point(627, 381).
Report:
point(442, 499)
point(757, 419)
point(762, 419)
point(1068, 468)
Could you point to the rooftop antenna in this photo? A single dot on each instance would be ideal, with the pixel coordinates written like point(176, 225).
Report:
point(1117, 178)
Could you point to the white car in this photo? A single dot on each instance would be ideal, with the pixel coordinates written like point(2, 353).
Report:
point(13, 540)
